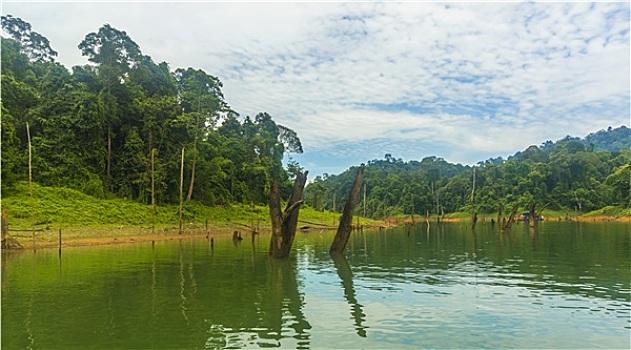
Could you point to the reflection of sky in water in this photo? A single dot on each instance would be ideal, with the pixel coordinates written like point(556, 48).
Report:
point(469, 304)
point(460, 315)
point(556, 287)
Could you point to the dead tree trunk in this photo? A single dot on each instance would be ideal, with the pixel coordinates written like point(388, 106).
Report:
point(509, 223)
point(345, 227)
point(284, 224)
point(30, 169)
point(192, 184)
point(500, 213)
point(181, 188)
point(153, 182)
point(541, 210)
point(474, 215)
point(153, 191)
point(532, 215)
point(109, 158)
point(438, 207)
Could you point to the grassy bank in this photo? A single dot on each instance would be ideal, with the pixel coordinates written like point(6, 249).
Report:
point(609, 213)
point(92, 220)
point(87, 220)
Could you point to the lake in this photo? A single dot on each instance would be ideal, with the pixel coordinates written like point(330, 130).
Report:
point(562, 285)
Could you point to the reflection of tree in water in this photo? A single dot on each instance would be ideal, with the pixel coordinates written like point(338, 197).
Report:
point(267, 313)
point(346, 275)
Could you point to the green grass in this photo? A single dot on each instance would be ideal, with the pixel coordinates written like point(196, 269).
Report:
point(609, 211)
point(612, 211)
point(67, 208)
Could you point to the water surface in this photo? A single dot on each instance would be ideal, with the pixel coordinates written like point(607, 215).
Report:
point(563, 285)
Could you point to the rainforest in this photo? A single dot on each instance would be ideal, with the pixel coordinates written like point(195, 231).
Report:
point(126, 128)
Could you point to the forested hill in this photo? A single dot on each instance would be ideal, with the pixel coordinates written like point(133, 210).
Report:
point(126, 126)
point(610, 139)
point(570, 174)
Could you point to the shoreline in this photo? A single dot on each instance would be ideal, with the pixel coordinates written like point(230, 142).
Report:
point(594, 218)
point(86, 237)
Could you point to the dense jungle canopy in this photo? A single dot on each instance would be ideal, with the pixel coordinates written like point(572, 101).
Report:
point(109, 127)
point(96, 127)
point(570, 174)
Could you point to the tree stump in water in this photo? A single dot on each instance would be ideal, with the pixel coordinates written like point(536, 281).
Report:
point(345, 227)
point(284, 224)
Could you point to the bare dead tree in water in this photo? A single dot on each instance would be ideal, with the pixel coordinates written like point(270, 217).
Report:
point(345, 227)
point(500, 213)
point(284, 223)
point(532, 214)
point(511, 218)
point(474, 215)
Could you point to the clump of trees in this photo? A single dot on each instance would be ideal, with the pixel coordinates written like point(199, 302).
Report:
point(117, 126)
point(570, 174)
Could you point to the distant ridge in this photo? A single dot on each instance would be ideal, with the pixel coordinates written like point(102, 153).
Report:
point(608, 140)
point(611, 140)
point(570, 175)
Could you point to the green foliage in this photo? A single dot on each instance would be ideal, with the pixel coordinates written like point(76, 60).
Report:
point(94, 129)
point(563, 176)
point(32, 43)
point(609, 140)
point(65, 207)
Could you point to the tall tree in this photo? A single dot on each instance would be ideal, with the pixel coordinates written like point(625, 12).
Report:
point(202, 102)
point(33, 44)
point(114, 53)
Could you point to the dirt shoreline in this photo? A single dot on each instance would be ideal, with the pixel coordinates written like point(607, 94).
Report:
point(96, 237)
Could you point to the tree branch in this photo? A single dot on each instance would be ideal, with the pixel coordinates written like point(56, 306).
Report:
point(291, 208)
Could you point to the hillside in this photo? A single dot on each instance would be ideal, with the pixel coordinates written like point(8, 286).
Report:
point(571, 174)
point(610, 139)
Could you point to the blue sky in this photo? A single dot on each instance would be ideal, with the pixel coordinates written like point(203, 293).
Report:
point(357, 80)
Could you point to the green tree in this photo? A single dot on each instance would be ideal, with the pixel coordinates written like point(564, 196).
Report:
point(33, 44)
point(202, 102)
point(114, 53)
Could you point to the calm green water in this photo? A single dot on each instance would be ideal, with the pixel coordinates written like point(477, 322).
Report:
point(565, 285)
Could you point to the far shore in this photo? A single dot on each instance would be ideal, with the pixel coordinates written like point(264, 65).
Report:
point(78, 237)
point(487, 218)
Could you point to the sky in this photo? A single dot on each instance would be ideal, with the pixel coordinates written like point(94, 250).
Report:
point(357, 80)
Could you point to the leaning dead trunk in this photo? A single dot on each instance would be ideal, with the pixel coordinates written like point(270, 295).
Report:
point(345, 228)
point(511, 218)
point(541, 210)
point(284, 224)
point(290, 215)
